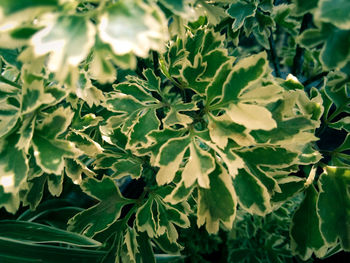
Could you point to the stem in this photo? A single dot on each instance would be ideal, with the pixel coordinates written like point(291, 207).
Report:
point(9, 82)
point(140, 67)
point(299, 53)
point(167, 74)
point(315, 78)
point(156, 63)
point(274, 55)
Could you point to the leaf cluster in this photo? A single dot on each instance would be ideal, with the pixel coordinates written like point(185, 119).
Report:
point(129, 127)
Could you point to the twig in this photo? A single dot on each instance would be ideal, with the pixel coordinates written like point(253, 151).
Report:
point(156, 63)
point(315, 78)
point(299, 53)
point(273, 54)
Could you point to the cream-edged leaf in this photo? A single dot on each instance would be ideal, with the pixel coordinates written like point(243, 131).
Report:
point(9, 115)
point(218, 203)
point(222, 128)
point(170, 157)
point(334, 196)
point(84, 143)
point(131, 26)
point(253, 117)
point(252, 194)
point(199, 165)
point(13, 165)
point(106, 212)
point(336, 12)
point(50, 153)
point(245, 73)
point(68, 39)
point(305, 232)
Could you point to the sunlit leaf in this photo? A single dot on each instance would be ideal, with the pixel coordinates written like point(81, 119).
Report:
point(67, 39)
point(130, 26)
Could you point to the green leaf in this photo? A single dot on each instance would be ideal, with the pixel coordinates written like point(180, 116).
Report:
point(215, 87)
point(18, 251)
point(333, 206)
point(130, 26)
point(37, 233)
point(214, 13)
point(145, 248)
point(145, 123)
point(9, 7)
point(159, 138)
point(14, 13)
point(34, 193)
point(156, 217)
point(338, 40)
point(272, 156)
point(81, 123)
point(218, 203)
point(55, 123)
point(200, 164)
point(343, 123)
point(190, 74)
point(222, 128)
point(87, 92)
point(146, 219)
point(101, 67)
point(231, 160)
point(105, 213)
point(55, 184)
point(122, 163)
point(179, 193)
point(9, 115)
point(334, 39)
point(13, 165)
point(48, 150)
point(305, 233)
point(33, 95)
point(213, 60)
point(84, 143)
point(26, 132)
point(130, 242)
point(290, 186)
point(166, 245)
point(10, 56)
point(47, 208)
point(240, 11)
point(75, 168)
point(245, 73)
point(252, 194)
point(282, 17)
point(68, 39)
point(170, 157)
point(137, 113)
point(336, 12)
point(314, 36)
point(176, 6)
point(261, 93)
point(9, 201)
point(303, 7)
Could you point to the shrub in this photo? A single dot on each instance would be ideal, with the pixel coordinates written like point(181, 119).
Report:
point(136, 131)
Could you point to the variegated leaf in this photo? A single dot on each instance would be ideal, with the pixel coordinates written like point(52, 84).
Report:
point(218, 203)
point(108, 209)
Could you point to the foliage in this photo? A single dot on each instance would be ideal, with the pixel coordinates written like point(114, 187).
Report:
point(126, 124)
